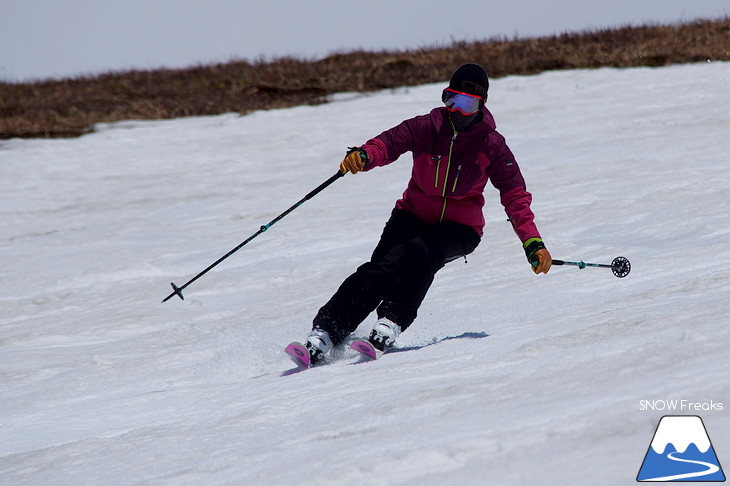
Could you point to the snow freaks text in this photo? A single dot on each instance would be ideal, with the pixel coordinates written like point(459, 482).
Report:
point(681, 406)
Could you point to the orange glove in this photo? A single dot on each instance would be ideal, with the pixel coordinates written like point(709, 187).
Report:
point(544, 261)
point(354, 161)
point(538, 256)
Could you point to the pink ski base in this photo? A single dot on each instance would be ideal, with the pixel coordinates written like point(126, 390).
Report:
point(299, 354)
point(365, 348)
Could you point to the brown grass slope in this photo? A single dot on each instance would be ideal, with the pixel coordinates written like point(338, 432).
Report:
point(70, 107)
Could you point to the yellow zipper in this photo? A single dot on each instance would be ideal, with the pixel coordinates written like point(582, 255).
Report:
point(446, 176)
point(456, 179)
point(438, 169)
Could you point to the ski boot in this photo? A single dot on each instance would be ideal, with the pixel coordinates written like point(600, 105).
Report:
point(318, 344)
point(384, 334)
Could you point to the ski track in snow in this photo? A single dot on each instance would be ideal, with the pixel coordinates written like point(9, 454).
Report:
point(505, 378)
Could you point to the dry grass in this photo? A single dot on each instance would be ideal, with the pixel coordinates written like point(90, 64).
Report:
point(71, 107)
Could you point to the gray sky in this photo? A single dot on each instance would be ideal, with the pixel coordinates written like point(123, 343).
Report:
point(56, 38)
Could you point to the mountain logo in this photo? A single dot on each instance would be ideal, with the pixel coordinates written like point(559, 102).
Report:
point(681, 451)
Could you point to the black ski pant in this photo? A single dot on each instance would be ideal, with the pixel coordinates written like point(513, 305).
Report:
point(398, 275)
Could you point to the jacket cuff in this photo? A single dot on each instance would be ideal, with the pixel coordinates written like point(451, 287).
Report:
point(530, 241)
point(532, 246)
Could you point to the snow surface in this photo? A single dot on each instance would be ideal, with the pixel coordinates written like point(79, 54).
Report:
point(505, 378)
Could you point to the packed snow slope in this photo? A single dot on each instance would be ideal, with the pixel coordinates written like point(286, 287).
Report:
point(505, 378)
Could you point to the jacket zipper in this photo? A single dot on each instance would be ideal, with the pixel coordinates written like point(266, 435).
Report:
point(456, 179)
point(446, 176)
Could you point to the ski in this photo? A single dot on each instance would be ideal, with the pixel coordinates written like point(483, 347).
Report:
point(366, 349)
point(299, 354)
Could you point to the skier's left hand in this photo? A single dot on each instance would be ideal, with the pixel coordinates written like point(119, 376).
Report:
point(544, 261)
point(538, 256)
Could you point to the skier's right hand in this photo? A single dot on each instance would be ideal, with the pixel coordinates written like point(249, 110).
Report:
point(354, 162)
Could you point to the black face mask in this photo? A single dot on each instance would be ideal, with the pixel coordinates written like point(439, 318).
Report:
point(462, 122)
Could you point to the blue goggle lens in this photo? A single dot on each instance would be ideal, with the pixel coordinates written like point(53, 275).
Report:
point(457, 101)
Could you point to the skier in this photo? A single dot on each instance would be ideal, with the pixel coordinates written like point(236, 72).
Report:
point(456, 150)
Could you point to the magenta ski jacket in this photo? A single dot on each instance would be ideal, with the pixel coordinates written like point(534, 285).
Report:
point(451, 169)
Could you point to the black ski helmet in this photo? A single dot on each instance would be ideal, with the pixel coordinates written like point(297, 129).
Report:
point(472, 79)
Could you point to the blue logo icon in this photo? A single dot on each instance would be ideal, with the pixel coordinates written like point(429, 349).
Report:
point(681, 451)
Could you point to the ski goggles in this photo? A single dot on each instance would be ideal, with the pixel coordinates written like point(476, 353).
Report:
point(466, 103)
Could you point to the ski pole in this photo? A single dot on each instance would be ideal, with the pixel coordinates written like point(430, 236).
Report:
point(178, 290)
point(620, 266)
